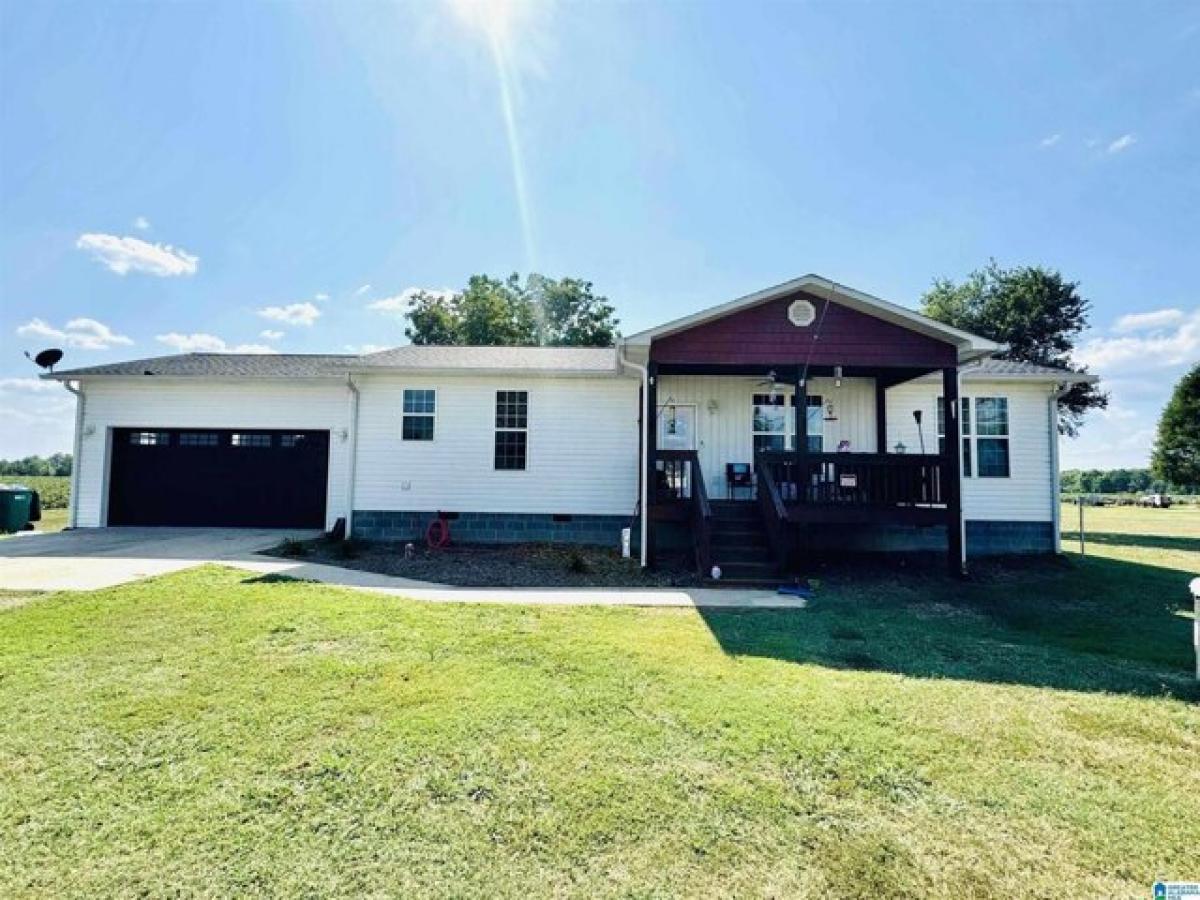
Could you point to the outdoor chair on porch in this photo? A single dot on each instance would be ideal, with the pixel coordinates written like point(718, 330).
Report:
point(738, 475)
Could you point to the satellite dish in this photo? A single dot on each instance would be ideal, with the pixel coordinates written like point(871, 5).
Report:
point(47, 359)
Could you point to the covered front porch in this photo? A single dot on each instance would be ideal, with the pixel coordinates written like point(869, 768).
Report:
point(726, 436)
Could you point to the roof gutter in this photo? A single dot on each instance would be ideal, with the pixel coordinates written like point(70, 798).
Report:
point(80, 406)
point(644, 499)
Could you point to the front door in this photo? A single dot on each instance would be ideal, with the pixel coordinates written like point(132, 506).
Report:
point(676, 431)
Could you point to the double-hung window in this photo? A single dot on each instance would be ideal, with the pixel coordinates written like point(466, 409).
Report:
point(774, 427)
point(985, 438)
point(512, 430)
point(420, 411)
point(991, 437)
point(964, 416)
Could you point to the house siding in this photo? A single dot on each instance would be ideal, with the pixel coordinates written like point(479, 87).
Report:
point(177, 403)
point(1027, 495)
point(764, 335)
point(726, 435)
point(582, 454)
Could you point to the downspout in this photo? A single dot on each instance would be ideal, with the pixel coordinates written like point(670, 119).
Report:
point(353, 466)
point(644, 500)
point(1055, 477)
point(76, 462)
point(962, 504)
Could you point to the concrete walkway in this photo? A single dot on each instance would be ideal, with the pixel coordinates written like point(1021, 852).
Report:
point(102, 557)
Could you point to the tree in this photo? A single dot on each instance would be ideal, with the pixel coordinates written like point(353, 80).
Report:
point(571, 315)
point(1037, 313)
point(55, 464)
point(490, 312)
point(1176, 456)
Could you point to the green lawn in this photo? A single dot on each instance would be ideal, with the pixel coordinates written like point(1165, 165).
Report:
point(1031, 733)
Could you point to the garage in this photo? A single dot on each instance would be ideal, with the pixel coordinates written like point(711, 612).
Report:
point(218, 478)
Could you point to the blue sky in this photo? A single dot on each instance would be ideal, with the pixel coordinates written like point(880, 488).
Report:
point(243, 175)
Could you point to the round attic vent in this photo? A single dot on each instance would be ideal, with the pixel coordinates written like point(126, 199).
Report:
point(801, 313)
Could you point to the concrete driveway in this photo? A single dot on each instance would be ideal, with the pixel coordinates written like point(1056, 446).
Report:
point(92, 558)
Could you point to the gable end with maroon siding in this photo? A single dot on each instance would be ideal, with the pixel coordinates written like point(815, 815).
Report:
point(837, 336)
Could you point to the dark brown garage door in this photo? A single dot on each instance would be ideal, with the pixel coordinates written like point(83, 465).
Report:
point(259, 479)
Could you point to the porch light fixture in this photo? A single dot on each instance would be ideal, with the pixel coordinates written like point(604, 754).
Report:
point(837, 376)
point(713, 406)
point(900, 448)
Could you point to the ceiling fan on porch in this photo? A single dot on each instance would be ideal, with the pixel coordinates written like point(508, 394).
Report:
point(771, 382)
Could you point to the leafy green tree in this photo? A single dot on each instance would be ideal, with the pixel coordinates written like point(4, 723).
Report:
point(55, 464)
point(1033, 310)
point(1176, 456)
point(491, 312)
point(571, 314)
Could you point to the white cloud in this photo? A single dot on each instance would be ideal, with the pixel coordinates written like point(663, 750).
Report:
point(1124, 142)
point(362, 290)
point(141, 223)
point(321, 298)
point(270, 335)
point(85, 334)
point(292, 314)
point(1158, 349)
point(1148, 321)
point(1051, 140)
point(27, 386)
point(129, 254)
point(199, 342)
point(399, 304)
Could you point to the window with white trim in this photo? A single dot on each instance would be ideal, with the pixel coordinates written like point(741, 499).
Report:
point(991, 437)
point(964, 417)
point(420, 412)
point(774, 428)
point(512, 430)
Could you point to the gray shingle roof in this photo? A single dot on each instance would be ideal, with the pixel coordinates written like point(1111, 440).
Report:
point(535, 359)
point(221, 365)
point(1002, 367)
point(562, 360)
point(558, 360)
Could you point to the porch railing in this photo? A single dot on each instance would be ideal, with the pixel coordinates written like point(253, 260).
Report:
point(678, 479)
point(854, 479)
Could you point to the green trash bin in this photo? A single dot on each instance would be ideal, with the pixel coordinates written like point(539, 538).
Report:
point(15, 505)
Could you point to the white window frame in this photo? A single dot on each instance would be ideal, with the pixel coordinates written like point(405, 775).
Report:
point(790, 420)
point(496, 429)
point(434, 415)
point(966, 409)
point(976, 436)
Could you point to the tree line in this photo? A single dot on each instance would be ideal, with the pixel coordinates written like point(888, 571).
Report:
point(1120, 481)
point(54, 464)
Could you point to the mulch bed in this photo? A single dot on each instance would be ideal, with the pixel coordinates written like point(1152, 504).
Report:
point(493, 565)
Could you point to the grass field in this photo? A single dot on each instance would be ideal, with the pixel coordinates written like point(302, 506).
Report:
point(1034, 732)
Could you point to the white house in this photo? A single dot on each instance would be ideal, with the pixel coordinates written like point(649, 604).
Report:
point(533, 443)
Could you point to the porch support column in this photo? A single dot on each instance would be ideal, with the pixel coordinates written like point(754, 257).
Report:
point(952, 474)
point(648, 471)
point(880, 415)
point(801, 413)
